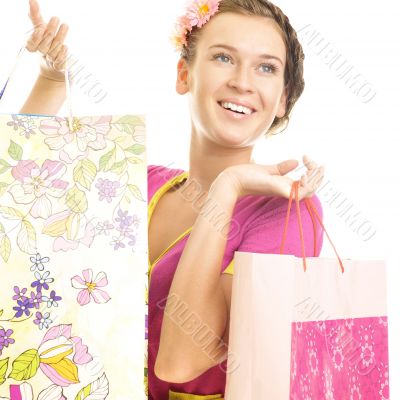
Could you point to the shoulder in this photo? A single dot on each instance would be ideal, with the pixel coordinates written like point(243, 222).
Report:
point(264, 233)
point(262, 220)
point(158, 175)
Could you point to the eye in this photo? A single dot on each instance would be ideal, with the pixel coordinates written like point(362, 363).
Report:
point(222, 57)
point(268, 68)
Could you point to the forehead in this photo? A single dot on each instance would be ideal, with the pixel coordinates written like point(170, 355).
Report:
point(251, 35)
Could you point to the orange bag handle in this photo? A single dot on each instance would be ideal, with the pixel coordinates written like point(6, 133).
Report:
point(313, 214)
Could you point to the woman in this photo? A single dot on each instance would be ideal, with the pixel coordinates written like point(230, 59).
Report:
point(242, 68)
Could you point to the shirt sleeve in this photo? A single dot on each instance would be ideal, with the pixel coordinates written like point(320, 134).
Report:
point(265, 232)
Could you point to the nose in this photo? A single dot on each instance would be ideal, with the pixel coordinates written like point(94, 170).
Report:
point(241, 80)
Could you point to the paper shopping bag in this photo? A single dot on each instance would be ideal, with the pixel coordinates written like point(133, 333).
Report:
point(305, 329)
point(73, 257)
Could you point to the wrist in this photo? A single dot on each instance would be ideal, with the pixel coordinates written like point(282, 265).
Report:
point(50, 75)
point(226, 186)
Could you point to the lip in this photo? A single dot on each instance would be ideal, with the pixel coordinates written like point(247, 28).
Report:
point(233, 115)
point(238, 102)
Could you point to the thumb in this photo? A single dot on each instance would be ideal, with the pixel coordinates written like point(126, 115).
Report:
point(286, 166)
point(34, 14)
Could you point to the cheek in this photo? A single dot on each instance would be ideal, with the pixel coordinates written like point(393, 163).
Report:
point(271, 97)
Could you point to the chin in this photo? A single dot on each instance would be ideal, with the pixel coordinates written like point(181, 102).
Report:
point(233, 139)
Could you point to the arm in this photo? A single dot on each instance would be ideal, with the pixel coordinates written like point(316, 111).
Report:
point(46, 97)
point(205, 298)
point(48, 93)
point(180, 358)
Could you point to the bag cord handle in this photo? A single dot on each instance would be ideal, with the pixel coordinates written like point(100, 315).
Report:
point(313, 214)
point(67, 73)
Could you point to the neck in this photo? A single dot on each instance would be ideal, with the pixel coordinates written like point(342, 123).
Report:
point(208, 160)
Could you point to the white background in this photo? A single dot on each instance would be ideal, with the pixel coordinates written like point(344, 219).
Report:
point(125, 46)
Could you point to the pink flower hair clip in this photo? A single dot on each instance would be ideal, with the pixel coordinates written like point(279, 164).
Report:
point(198, 13)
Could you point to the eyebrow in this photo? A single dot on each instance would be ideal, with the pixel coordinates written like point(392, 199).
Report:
point(231, 48)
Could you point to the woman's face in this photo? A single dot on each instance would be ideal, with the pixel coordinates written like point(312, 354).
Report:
point(236, 81)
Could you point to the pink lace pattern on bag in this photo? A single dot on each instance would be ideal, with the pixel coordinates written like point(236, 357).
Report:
point(340, 359)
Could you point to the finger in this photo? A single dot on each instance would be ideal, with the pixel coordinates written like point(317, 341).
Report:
point(34, 14)
point(312, 182)
point(314, 174)
point(35, 39)
point(58, 41)
point(283, 167)
point(308, 162)
point(48, 35)
point(59, 62)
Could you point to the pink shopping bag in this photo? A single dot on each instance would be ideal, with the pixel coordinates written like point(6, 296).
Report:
point(303, 328)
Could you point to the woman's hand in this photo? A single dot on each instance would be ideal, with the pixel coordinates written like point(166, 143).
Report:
point(48, 39)
point(270, 180)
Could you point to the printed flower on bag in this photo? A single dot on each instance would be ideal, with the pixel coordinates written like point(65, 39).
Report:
point(305, 387)
point(42, 320)
point(60, 354)
point(293, 363)
point(5, 338)
point(53, 392)
point(126, 223)
point(349, 323)
point(52, 300)
point(38, 262)
point(23, 308)
point(107, 189)
point(19, 294)
point(23, 391)
point(366, 333)
point(90, 287)
point(384, 387)
point(88, 133)
point(104, 228)
point(328, 384)
point(25, 124)
point(354, 383)
point(338, 358)
point(26, 305)
point(70, 230)
point(367, 355)
point(36, 184)
point(42, 281)
point(36, 299)
point(355, 393)
point(313, 361)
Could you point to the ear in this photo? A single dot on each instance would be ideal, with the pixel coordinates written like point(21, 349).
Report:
point(182, 86)
point(282, 104)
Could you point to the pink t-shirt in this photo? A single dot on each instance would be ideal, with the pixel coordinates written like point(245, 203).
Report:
point(259, 223)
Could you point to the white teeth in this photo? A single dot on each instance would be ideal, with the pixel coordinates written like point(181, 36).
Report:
point(237, 108)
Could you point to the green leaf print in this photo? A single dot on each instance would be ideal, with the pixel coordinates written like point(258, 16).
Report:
point(107, 160)
point(15, 151)
point(3, 369)
point(85, 173)
point(5, 248)
point(136, 149)
point(25, 366)
point(95, 390)
point(76, 200)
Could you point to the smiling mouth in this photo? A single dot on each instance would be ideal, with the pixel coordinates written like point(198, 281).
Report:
point(241, 110)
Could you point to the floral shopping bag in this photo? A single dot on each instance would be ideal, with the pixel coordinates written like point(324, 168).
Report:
point(307, 333)
point(73, 257)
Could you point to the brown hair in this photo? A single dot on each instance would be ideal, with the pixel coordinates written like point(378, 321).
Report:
point(294, 81)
